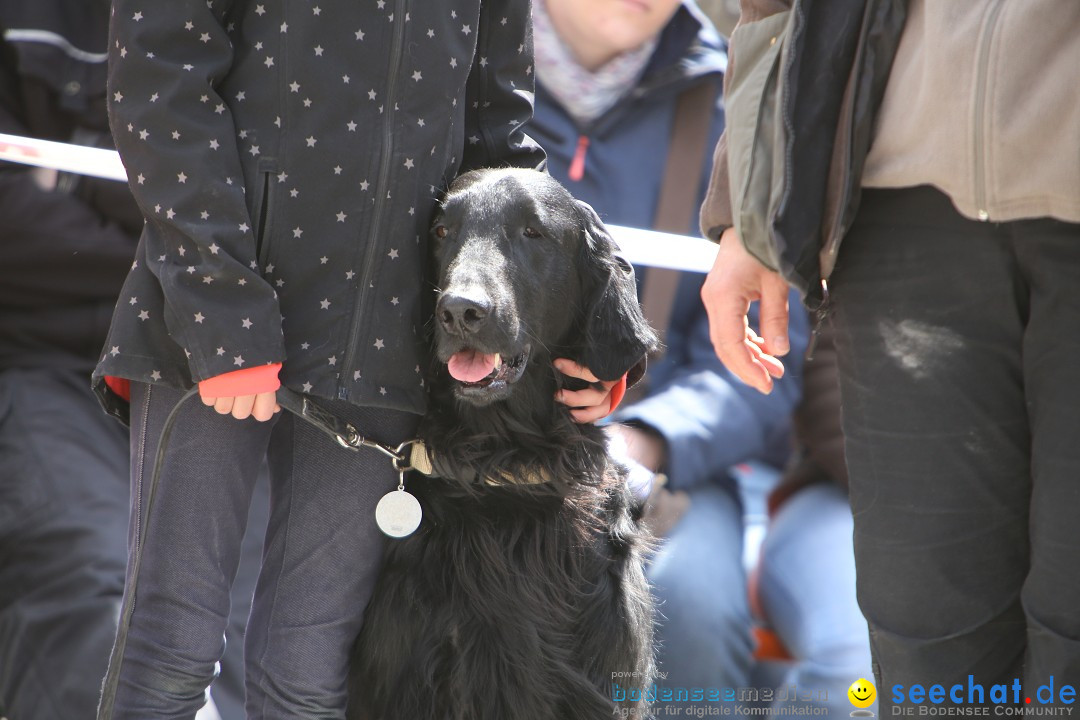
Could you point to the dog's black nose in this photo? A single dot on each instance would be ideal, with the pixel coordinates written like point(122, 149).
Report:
point(463, 314)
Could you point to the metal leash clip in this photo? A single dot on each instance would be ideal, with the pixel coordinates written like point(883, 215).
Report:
point(398, 513)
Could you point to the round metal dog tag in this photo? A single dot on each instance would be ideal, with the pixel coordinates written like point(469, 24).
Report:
point(398, 514)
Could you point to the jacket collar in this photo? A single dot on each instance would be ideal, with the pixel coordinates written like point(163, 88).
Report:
point(689, 48)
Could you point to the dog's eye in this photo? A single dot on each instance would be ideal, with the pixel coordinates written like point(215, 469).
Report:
point(441, 231)
point(530, 232)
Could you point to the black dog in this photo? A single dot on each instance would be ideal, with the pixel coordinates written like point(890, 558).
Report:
point(522, 594)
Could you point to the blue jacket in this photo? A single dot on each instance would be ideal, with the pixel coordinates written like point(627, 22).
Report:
point(710, 420)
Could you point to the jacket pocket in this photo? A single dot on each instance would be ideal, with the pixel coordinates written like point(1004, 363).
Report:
point(263, 219)
point(755, 130)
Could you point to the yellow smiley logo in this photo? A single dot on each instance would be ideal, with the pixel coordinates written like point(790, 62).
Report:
point(862, 693)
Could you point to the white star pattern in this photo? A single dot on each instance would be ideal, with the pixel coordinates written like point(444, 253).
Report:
point(257, 106)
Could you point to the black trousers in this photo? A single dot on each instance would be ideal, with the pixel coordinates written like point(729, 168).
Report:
point(63, 520)
point(959, 350)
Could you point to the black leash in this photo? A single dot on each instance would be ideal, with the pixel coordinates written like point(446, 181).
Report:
point(303, 407)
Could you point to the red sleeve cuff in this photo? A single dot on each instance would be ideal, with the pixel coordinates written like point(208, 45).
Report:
point(120, 386)
point(249, 381)
point(618, 390)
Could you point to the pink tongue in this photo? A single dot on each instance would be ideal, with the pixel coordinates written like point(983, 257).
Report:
point(470, 366)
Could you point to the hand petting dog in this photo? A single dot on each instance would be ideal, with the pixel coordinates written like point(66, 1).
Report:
point(590, 404)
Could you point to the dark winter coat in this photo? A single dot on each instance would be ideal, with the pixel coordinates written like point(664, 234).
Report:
point(288, 157)
point(64, 252)
point(805, 80)
point(690, 398)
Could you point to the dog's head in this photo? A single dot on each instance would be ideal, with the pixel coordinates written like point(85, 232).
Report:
point(525, 272)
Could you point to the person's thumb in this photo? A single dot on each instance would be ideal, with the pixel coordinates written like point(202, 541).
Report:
point(774, 315)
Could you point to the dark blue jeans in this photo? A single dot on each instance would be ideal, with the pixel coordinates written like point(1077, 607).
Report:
point(959, 350)
point(320, 560)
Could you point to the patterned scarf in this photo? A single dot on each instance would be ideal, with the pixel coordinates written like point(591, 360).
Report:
point(584, 95)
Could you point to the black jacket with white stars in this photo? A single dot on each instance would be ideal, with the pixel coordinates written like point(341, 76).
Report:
point(287, 155)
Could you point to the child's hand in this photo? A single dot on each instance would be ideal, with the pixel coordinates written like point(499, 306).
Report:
point(261, 407)
point(590, 404)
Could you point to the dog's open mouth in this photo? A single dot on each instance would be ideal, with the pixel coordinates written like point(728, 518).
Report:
point(481, 373)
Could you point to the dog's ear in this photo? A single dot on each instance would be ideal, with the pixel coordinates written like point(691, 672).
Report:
point(616, 336)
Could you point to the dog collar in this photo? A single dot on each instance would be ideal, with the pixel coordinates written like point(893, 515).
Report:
point(418, 457)
point(420, 461)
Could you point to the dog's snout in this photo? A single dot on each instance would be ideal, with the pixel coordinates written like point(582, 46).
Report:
point(462, 314)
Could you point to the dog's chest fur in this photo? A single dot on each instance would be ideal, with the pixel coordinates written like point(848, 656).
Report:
point(509, 602)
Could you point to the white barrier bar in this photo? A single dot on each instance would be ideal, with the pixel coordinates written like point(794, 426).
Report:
point(61, 156)
point(657, 249)
point(641, 247)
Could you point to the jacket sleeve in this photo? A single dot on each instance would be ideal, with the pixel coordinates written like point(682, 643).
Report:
point(716, 211)
point(176, 136)
point(500, 90)
point(711, 420)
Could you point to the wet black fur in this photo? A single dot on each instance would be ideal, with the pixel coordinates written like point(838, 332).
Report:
point(514, 603)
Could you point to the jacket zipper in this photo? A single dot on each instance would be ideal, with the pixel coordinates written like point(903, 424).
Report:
point(380, 201)
point(832, 243)
point(980, 111)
